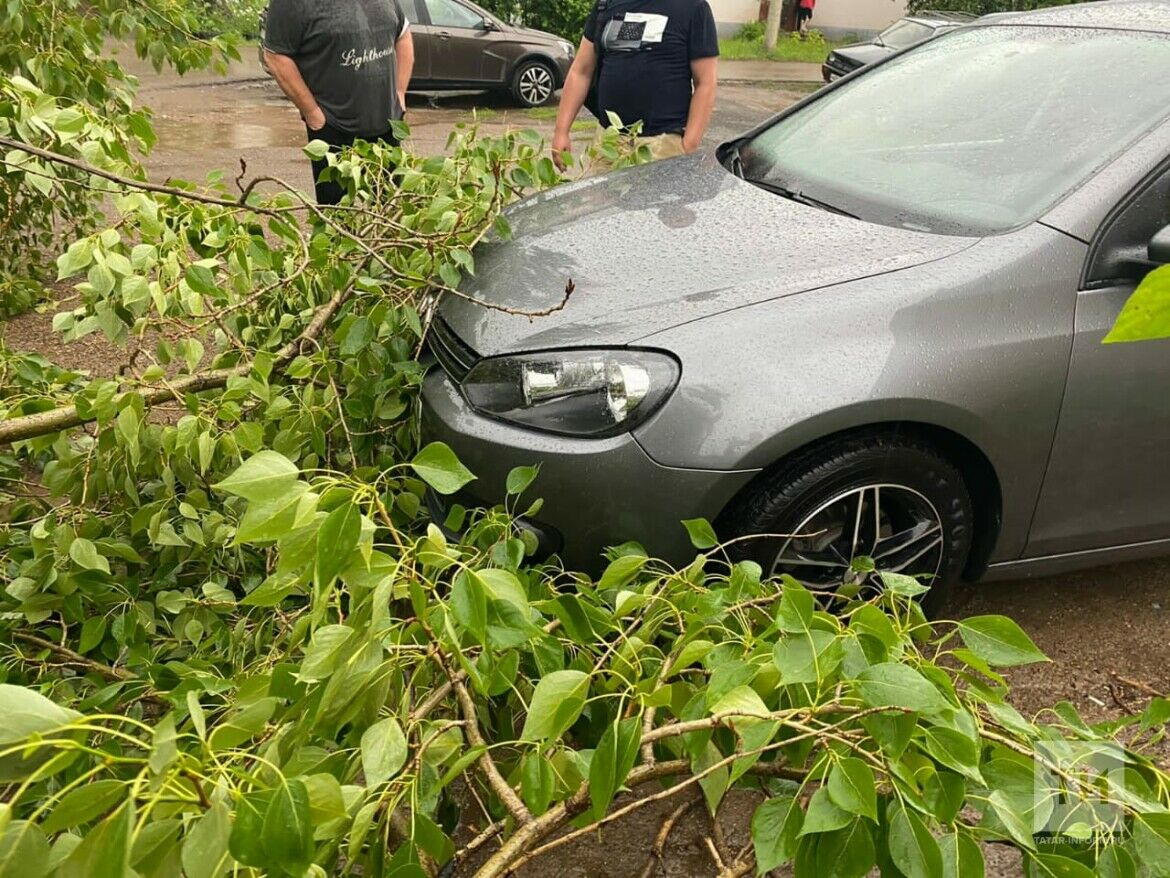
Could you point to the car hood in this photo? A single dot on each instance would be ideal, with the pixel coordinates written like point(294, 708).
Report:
point(653, 247)
point(864, 53)
point(536, 36)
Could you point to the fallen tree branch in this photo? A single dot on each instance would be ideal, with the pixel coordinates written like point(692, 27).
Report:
point(54, 421)
point(658, 852)
point(76, 658)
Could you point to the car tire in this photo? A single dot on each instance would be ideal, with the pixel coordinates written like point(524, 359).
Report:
point(533, 84)
point(909, 497)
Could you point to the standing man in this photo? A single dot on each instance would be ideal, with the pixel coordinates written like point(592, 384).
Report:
point(346, 65)
point(659, 66)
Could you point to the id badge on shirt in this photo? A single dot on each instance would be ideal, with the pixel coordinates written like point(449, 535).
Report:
point(634, 32)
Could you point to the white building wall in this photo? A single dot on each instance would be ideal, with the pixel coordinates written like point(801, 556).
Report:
point(831, 16)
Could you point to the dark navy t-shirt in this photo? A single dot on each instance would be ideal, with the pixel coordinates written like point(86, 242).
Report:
point(646, 48)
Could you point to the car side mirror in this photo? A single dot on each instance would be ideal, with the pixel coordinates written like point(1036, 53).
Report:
point(488, 24)
point(1160, 247)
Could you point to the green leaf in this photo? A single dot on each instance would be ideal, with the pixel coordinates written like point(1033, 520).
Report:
point(557, 702)
point(1056, 866)
point(896, 685)
point(24, 851)
point(847, 853)
point(807, 657)
point(961, 856)
point(287, 835)
point(823, 815)
point(1015, 822)
point(316, 149)
point(84, 803)
point(324, 652)
point(246, 840)
point(86, 555)
point(469, 604)
point(105, 849)
point(1151, 837)
point(999, 641)
point(1146, 316)
point(853, 788)
point(520, 478)
point(912, 848)
point(538, 782)
point(383, 751)
point(621, 570)
point(263, 476)
point(701, 533)
point(336, 541)
point(1114, 862)
point(612, 761)
point(776, 826)
point(205, 850)
point(27, 714)
point(438, 466)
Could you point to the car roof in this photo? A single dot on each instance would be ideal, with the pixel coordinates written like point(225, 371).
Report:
point(1135, 15)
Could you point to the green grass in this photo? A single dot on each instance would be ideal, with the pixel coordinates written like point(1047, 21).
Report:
point(790, 47)
point(542, 113)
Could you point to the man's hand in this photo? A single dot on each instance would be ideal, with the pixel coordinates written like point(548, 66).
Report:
point(561, 144)
point(315, 119)
point(402, 100)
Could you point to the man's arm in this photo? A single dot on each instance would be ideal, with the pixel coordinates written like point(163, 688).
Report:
point(288, 77)
point(404, 48)
point(705, 73)
point(576, 90)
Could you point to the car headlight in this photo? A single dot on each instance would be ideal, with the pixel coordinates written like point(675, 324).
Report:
point(567, 48)
point(588, 393)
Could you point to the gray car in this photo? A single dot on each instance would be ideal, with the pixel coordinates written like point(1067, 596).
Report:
point(873, 323)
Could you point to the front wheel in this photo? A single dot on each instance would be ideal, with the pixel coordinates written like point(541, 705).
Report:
point(890, 499)
point(533, 84)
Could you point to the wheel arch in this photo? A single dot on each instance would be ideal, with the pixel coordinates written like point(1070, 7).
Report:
point(536, 55)
point(976, 468)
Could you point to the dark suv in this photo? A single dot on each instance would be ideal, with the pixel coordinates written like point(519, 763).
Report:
point(902, 34)
point(460, 46)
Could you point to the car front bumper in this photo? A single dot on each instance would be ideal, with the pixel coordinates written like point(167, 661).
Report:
point(596, 492)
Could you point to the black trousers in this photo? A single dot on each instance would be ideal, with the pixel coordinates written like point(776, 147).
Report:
point(330, 192)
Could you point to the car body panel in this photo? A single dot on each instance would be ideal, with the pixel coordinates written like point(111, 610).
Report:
point(957, 344)
point(575, 481)
point(690, 212)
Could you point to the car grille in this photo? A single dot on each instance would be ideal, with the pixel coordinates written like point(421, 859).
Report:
point(453, 354)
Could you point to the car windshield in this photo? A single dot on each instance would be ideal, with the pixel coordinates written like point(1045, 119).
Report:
point(976, 132)
point(902, 34)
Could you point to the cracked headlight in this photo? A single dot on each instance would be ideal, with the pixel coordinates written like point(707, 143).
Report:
point(573, 393)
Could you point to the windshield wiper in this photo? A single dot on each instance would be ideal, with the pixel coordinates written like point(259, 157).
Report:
point(799, 197)
point(735, 161)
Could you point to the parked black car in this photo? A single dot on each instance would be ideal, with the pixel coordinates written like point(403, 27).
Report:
point(460, 46)
point(903, 33)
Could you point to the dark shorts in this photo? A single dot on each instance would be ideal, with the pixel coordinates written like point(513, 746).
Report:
point(329, 192)
point(803, 13)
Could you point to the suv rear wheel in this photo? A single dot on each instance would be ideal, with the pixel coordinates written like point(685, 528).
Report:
point(533, 84)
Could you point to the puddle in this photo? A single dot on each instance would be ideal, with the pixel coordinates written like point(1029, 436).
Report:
point(255, 126)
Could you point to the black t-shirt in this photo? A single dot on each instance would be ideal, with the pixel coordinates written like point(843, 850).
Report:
point(645, 49)
point(345, 50)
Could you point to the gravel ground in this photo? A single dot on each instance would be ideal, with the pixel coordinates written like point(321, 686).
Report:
point(1101, 628)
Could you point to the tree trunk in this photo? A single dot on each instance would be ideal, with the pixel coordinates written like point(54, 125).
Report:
point(772, 28)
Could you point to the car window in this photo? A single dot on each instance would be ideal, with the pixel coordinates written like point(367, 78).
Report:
point(412, 11)
point(903, 34)
point(1123, 243)
point(975, 132)
point(448, 13)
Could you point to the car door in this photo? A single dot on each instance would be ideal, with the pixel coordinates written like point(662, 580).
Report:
point(423, 40)
point(458, 42)
point(1108, 479)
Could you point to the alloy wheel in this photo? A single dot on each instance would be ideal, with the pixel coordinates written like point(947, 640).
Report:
point(536, 84)
point(895, 526)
